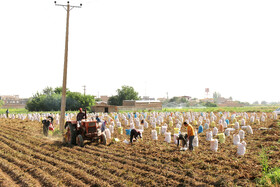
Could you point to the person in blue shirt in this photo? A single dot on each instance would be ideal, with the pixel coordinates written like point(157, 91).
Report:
point(97, 119)
point(103, 126)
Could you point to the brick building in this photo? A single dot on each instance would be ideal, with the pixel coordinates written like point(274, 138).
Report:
point(231, 104)
point(104, 98)
point(135, 105)
point(104, 107)
point(13, 101)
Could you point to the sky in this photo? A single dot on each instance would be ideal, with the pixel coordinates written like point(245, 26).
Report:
point(179, 47)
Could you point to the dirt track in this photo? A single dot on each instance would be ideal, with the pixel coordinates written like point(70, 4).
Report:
point(29, 159)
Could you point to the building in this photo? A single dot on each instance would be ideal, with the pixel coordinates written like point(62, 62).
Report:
point(147, 98)
point(135, 105)
point(229, 103)
point(13, 101)
point(162, 99)
point(104, 98)
point(104, 107)
point(211, 100)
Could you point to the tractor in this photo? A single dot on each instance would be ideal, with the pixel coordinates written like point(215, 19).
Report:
point(78, 131)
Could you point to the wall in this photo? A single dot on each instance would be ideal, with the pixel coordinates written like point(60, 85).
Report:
point(13, 105)
point(230, 104)
point(138, 105)
point(131, 108)
point(128, 103)
point(102, 108)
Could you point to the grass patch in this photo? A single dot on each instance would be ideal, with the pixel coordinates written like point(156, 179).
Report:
point(269, 176)
point(272, 177)
point(264, 160)
point(223, 109)
point(14, 111)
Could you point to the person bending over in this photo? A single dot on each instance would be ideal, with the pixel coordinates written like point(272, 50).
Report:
point(134, 134)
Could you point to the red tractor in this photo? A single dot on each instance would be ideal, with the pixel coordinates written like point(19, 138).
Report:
point(78, 131)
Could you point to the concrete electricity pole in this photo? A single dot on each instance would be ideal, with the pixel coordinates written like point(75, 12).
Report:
point(63, 98)
point(84, 89)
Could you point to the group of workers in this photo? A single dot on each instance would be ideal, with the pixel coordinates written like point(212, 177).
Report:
point(135, 134)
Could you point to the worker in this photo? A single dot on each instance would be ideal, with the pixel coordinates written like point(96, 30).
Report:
point(7, 113)
point(81, 115)
point(47, 125)
point(103, 126)
point(97, 119)
point(182, 138)
point(190, 135)
point(134, 134)
point(50, 118)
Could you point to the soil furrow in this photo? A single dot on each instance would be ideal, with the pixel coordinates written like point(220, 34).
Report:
point(45, 162)
point(6, 180)
point(133, 165)
point(93, 168)
point(42, 155)
point(32, 166)
point(17, 174)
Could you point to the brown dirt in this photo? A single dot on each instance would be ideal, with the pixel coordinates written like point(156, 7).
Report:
point(29, 159)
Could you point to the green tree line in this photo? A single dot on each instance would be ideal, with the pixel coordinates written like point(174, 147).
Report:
point(125, 93)
point(50, 100)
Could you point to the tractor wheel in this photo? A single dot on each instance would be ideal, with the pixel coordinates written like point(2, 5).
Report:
point(103, 139)
point(46, 129)
point(70, 134)
point(80, 140)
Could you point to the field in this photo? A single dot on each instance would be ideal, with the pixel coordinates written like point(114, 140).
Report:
point(29, 159)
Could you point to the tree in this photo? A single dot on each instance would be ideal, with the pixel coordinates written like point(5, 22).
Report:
point(58, 90)
point(125, 93)
point(263, 103)
point(50, 100)
point(255, 103)
point(216, 97)
point(48, 91)
point(113, 100)
point(209, 104)
point(76, 100)
point(245, 103)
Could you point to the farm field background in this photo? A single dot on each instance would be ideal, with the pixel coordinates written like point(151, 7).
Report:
point(190, 109)
point(27, 158)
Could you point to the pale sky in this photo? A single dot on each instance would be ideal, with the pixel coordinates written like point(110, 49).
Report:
point(156, 46)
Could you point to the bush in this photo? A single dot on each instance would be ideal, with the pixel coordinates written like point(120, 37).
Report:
point(208, 104)
point(51, 101)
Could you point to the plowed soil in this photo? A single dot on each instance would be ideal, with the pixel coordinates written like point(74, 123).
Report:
point(27, 158)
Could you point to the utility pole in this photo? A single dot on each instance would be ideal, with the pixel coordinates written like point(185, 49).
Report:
point(63, 98)
point(84, 89)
